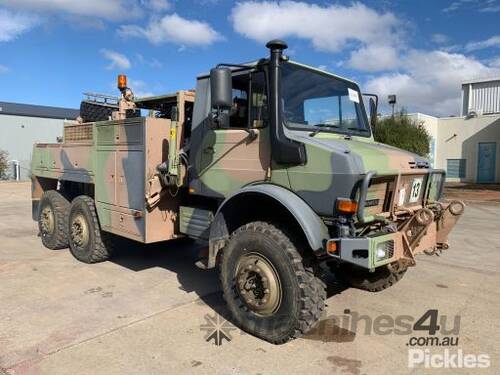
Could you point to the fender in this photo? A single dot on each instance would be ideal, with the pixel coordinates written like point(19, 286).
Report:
point(313, 227)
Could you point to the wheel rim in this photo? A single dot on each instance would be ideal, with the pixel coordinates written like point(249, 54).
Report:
point(47, 221)
point(258, 284)
point(79, 231)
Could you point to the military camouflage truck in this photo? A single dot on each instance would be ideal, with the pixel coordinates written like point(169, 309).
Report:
point(271, 163)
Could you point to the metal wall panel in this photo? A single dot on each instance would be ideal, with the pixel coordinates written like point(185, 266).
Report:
point(483, 97)
point(455, 168)
point(19, 133)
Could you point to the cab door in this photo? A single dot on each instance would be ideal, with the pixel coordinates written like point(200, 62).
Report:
point(240, 154)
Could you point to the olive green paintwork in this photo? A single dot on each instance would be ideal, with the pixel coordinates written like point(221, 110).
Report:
point(117, 160)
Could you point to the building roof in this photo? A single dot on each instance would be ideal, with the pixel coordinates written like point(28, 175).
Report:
point(480, 80)
point(30, 110)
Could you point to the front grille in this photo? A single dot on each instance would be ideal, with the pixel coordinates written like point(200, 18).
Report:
point(407, 183)
point(383, 191)
point(379, 195)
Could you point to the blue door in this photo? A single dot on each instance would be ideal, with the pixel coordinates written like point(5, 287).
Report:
point(486, 163)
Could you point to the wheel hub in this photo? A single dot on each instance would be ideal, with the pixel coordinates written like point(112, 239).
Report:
point(47, 221)
point(79, 231)
point(258, 284)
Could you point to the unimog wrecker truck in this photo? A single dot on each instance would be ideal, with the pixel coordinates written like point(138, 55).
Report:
point(271, 163)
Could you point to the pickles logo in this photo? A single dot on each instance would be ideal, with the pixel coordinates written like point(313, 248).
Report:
point(447, 359)
point(217, 329)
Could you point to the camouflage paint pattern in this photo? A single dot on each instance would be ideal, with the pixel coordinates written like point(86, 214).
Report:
point(120, 157)
point(336, 163)
point(233, 158)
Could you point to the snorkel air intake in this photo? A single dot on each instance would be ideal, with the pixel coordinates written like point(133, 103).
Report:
point(284, 150)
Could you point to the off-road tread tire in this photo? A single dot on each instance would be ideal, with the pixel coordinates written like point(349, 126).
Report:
point(312, 290)
point(60, 208)
point(92, 112)
point(382, 278)
point(101, 248)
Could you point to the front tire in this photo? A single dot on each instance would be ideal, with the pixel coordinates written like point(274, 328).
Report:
point(87, 242)
point(382, 278)
point(267, 288)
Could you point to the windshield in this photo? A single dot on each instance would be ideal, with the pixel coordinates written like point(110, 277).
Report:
point(312, 101)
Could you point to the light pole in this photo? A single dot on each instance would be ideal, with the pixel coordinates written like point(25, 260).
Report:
point(392, 101)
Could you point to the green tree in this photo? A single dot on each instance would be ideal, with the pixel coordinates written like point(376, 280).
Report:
point(3, 163)
point(403, 132)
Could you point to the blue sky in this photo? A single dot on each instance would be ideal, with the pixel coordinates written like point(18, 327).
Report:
point(53, 50)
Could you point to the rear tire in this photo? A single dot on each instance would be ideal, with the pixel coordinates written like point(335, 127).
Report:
point(382, 278)
point(267, 288)
point(53, 220)
point(87, 242)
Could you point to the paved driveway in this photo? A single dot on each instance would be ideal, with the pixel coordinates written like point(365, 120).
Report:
point(149, 310)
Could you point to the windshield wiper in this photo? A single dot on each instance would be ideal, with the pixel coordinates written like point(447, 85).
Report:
point(320, 128)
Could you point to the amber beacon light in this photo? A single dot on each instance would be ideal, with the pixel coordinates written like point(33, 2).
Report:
point(122, 81)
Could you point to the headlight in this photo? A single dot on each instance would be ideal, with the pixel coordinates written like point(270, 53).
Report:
point(384, 250)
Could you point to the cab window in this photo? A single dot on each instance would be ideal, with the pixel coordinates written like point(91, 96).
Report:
point(249, 107)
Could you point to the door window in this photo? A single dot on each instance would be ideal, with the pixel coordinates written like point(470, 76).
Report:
point(244, 86)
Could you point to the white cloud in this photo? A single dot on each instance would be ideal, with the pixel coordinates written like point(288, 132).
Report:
point(153, 63)
point(495, 62)
point(174, 29)
point(452, 7)
point(329, 28)
point(157, 5)
point(430, 81)
point(487, 6)
point(140, 88)
point(439, 38)
point(13, 24)
point(3, 69)
point(374, 58)
point(494, 41)
point(105, 9)
point(490, 9)
point(469, 4)
point(117, 60)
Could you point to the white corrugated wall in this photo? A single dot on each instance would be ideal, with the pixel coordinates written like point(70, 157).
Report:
point(19, 133)
point(484, 97)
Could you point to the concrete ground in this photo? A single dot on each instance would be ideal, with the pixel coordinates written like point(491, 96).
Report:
point(472, 193)
point(143, 312)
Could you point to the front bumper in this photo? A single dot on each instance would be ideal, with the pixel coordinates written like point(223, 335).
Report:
point(368, 252)
point(425, 230)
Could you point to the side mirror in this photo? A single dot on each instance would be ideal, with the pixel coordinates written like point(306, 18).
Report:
point(221, 88)
point(373, 113)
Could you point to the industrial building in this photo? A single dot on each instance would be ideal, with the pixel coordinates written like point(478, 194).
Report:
point(22, 125)
point(467, 147)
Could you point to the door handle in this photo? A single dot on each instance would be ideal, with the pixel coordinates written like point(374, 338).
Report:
point(209, 150)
